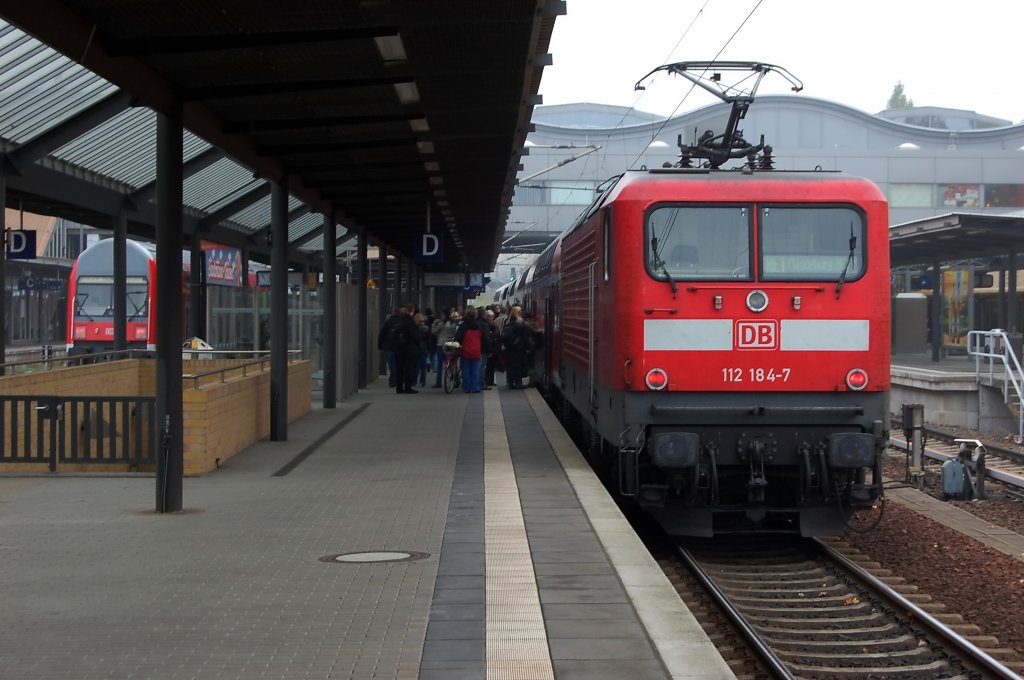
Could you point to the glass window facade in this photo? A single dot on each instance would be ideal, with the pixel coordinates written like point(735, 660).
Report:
point(1004, 195)
point(960, 195)
point(565, 192)
point(911, 195)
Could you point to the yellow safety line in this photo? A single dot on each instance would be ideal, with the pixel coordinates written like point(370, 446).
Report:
point(517, 643)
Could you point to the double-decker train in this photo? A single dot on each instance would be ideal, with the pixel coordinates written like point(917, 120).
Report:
point(720, 339)
point(91, 299)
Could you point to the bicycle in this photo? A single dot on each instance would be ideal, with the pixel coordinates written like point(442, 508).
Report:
point(452, 370)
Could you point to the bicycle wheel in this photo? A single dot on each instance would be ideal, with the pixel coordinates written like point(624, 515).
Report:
point(450, 368)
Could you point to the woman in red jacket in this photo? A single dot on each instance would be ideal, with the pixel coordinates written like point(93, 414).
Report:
point(475, 339)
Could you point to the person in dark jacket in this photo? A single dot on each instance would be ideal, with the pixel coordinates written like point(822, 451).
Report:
point(385, 343)
point(516, 345)
point(422, 349)
point(475, 338)
point(406, 340)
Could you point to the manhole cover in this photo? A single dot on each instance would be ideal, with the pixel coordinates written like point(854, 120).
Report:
point(380, 556)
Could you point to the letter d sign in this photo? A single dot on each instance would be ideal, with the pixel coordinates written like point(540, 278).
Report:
point(429, 249)
point(21, 244)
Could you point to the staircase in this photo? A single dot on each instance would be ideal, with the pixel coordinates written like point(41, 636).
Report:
point(997, 365)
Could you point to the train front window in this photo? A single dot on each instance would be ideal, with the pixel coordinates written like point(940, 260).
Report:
point(710, 243)
point(94, 297)
point(138, 300)
point(802, 243)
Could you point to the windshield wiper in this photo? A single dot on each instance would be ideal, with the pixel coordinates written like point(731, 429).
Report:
point(659, 264)
point(80, 303)
point(671, 281)
point(849, 259)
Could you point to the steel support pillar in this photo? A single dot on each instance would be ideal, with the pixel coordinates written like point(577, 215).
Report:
point(385, 308)
point(169, 176)
point(279, 311)
point(329, 299)
point(197, 301)
point(399, 282)
point(1012, 322)
point(121, 280)
point(3, 264)
point(936, 316)
point(364, 311)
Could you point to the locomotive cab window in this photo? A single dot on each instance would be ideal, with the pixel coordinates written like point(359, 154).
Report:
point(710, 243)
point(811, 243)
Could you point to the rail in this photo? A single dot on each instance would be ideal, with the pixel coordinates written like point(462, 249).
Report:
point(964, 648)
point(995, 345)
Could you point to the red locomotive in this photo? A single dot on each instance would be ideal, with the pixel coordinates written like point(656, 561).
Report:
point(720, 338)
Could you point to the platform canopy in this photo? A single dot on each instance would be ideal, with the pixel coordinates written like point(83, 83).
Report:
point(386, 115)
point(955, 237)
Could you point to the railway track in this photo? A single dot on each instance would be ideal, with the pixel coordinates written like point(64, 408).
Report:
point(1002, 465)
point(808, 611)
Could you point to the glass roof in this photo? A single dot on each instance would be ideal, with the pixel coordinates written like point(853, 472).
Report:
point(124, 148)
point(40, 89)
point(214, 187)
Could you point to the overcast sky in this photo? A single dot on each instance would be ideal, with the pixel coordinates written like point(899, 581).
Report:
point(963, 55)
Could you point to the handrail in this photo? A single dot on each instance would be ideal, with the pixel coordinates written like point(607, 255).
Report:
point(995, 344)
point(262, 357)
point(69, 360)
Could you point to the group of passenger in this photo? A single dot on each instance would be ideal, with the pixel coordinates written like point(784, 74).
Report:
point(491, 339)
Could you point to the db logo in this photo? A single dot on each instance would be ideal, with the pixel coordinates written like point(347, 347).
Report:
point(757, 335)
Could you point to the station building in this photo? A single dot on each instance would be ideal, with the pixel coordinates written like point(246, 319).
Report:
point(928, 161)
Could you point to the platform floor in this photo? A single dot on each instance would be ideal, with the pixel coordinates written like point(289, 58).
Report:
point(520, 564)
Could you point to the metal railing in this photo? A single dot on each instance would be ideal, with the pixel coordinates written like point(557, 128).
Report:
point(995, 347)
point(77, 430)
point(257, 363)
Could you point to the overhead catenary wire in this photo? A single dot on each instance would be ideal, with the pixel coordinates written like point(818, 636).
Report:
point(692, 85)
point(632, 107)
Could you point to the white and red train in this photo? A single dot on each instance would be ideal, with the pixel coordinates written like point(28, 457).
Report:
point(91, 299)
point(721, 339)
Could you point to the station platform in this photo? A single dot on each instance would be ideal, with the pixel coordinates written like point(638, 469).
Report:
point(397, 536)
point(956, 391)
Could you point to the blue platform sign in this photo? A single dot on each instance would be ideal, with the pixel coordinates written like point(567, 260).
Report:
point(21, 244)
point(429, 249)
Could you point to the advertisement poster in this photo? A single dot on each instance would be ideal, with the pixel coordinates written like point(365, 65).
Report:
point(224, 267)
point(955, 300)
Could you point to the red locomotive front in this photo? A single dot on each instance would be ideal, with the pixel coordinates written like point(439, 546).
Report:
point(724, 340)
point(720, 337)
point(775, 293)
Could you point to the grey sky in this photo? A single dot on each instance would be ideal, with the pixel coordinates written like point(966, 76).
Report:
point(961, 55)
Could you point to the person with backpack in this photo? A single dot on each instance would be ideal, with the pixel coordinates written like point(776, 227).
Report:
point(475, 338)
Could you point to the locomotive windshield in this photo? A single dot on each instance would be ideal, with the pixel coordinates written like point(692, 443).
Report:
point(796, 243)
point(94, 297)
point(699, 242)
point(811, 243)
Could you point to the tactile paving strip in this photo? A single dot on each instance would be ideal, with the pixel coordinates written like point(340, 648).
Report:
point(517, 644)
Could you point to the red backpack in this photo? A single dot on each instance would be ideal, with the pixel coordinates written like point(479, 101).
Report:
point(471, 343)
